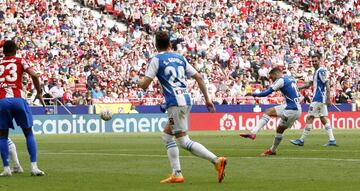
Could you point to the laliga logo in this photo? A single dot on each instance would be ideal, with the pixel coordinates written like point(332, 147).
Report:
point(227, 122)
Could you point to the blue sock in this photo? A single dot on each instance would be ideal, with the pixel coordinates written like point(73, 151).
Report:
point(4, 148)
point(31, 144)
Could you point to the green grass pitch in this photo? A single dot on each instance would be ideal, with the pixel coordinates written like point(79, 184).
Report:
point(87, 162)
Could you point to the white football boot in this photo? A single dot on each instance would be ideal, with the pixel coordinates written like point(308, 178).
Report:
point(37, 172)
point(6, 172)
point(17, 169)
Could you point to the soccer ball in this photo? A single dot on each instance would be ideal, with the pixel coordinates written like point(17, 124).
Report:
point(106, 114)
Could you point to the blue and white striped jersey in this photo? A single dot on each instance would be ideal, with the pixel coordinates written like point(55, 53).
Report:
point(172, 69)
point(319, 80)
point(288, 88)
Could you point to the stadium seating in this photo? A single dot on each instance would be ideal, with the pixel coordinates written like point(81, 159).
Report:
point(70, 44)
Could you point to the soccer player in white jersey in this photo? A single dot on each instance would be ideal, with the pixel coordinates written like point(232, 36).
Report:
point(288, 112)
point(171, 69)
point(318, 106)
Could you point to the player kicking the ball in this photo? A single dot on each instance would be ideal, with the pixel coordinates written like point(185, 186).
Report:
point(171, 69)
point(13, 105)
point(288, 112)
point(318, 106)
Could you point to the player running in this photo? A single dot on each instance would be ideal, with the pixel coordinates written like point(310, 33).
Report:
point(171, 69)
point(14, 106)
point(318, 106)
point(288, 112)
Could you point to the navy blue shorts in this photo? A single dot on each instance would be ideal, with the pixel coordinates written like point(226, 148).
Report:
point(15, 108)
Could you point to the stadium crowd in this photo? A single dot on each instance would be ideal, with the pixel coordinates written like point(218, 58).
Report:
point(344, 12)
point(233, 43)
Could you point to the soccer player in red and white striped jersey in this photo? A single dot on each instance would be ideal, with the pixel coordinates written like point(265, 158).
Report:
point(13, 105)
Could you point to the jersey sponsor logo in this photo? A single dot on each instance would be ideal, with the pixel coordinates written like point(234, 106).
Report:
point(11, 61)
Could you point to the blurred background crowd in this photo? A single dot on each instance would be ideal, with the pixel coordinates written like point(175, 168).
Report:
point(234, 44)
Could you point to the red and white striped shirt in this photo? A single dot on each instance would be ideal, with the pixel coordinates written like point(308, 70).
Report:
point(11, 71)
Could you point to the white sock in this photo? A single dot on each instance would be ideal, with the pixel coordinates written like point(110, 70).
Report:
point(306, 131)
point(7, 168)
point(34, 165)
point(172, 153)
point(329, 131)
point(12, 153)
point(277, 141)
point(261, 123)
point(197, 149)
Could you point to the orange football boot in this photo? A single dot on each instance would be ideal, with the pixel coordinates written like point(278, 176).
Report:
point(173, 179)
point(220, 168)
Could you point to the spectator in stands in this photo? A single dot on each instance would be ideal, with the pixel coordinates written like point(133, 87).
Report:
point(97, 93)
point(80, 100)
point(263, 74)
point(57, 92)
point(342, 97)
point(81, 48)
point(67, 97)
point(92, 79)
point(133, 109)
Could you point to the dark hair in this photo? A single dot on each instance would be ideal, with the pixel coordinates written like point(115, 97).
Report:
point(9, 48)
point(316, 55)
point(275, 70)
point(162, 40)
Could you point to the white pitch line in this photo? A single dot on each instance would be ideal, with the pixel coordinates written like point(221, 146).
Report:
point(165, 156)
point(300, 158)
point(231, 149)
point(298, 150)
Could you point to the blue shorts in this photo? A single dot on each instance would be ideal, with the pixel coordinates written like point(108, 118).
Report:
point(15, 108)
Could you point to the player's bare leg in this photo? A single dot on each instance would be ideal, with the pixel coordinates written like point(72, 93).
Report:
point(4, 149)
point(271, 112)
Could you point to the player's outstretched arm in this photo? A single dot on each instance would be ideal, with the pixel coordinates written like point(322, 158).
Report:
point(202, 86)
point(35, 78)
point(264, 93)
